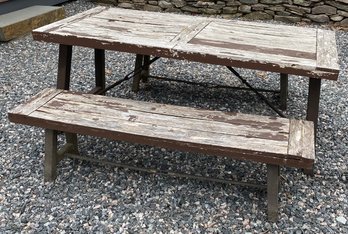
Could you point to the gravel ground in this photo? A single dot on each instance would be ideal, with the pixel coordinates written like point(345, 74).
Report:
point(88, 197)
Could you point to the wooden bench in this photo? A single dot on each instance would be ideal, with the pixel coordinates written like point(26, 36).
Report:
point(274, 141)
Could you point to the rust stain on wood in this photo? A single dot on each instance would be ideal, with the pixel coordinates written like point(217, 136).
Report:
point(274, 126)
point(253, 48)
point(132, 118)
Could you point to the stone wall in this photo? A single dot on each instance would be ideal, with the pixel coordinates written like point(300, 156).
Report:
point(293, 11)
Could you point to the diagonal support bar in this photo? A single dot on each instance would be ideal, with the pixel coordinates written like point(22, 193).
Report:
point(260, 95)
point(130, 75)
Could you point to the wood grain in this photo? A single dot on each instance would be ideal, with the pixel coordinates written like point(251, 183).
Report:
point(302, 139)
point(35, 102)
point(239, 136)
point(270, 47)
point(327, 58)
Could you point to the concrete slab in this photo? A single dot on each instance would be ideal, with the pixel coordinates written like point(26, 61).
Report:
point(15, 5)
point(19, 22)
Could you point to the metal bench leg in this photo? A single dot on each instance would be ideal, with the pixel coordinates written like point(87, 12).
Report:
point(51, 155)
point(71, 140)
point(283, 91)
point(99, 61)
point(146, 71)
point(136, 80)
point(313, 101)
point(272, 192)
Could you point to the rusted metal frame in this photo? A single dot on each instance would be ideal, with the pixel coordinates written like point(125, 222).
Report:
point(284, 81)
point(162, 172)
point(130, 75)
point(64, 66)
point(210, 85)
point(99, 61)
point(256, 92)
point(272, 191)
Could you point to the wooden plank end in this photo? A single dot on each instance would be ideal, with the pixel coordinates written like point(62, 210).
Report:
point(295, 137)
point(302, 142)
point(33, 103)
point(308, 140)
point(327, 56)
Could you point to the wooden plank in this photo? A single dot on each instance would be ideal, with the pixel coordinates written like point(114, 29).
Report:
point(302, 141)
point(62, 23)
point(215, 53)
point(122, 33)
point(261, 36)
point(308, 140)
point(34, 103)
point(269, 28)
point(273, 130)
point(161, 133)
point(120, 114)
point(279, 124)
point(143, 17)
point(295, 137)
point(327, 58)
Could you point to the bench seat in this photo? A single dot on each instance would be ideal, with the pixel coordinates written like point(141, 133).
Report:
point(274, 141)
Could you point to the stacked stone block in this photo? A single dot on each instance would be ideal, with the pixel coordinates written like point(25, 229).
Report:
point(293, 11)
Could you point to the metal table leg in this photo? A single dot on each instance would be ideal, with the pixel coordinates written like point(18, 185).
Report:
point(137, 77)
point(64, 66)
point(283, 91)
point(146, 71)
point(99, 61)
point(313, 101)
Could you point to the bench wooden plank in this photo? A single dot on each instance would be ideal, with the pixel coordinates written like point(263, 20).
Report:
point(308, 140)
point(295, 141)
point(35, 102)
point(182, 111)
point(302, 140)
point(250, 131)
point(105, 117)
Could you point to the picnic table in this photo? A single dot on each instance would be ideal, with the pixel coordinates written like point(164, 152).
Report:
point(268, 47)
point(278, 48)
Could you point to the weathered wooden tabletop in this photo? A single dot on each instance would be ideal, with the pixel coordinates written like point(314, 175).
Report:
point(271, 47)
